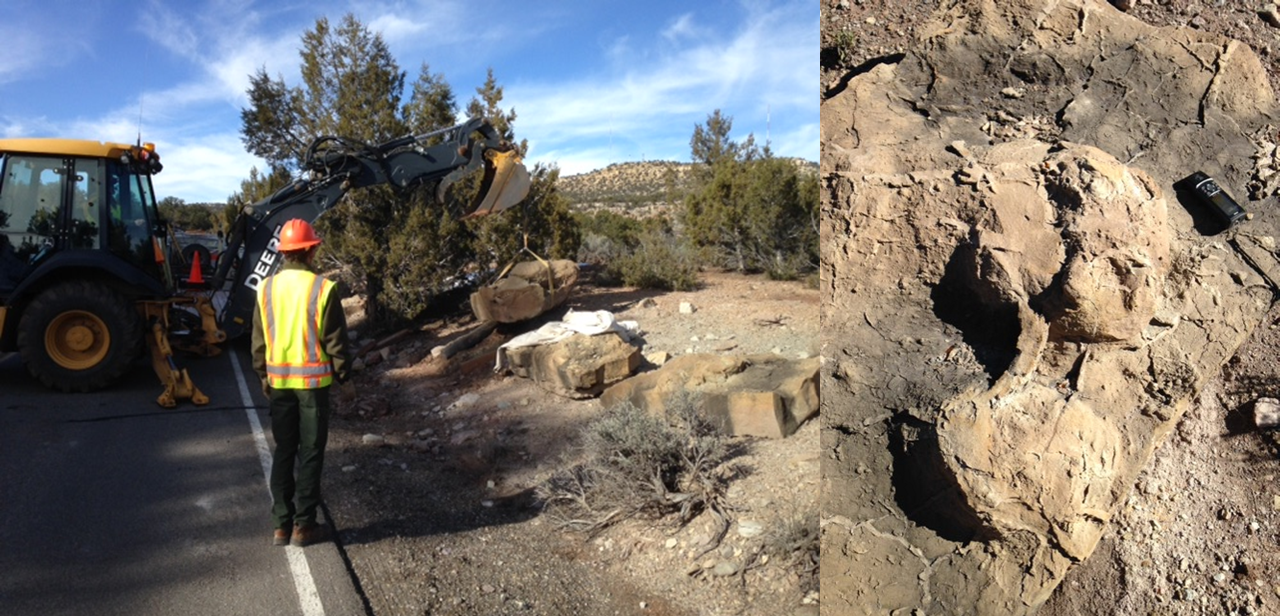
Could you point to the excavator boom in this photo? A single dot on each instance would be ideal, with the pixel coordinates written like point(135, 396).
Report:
point(337, 165)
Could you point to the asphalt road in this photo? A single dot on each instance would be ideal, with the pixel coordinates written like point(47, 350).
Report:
point(111, 505)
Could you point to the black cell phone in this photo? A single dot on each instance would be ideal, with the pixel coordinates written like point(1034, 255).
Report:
point(1222, 205)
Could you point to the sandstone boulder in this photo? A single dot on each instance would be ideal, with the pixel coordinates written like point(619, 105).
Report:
point(579, 366)
point(756, 395)
point(529, 289)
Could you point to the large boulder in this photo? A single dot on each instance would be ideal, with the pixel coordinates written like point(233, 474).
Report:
point(1018, 304)
point(527, 290)
point(755, 395)
point(579, 366)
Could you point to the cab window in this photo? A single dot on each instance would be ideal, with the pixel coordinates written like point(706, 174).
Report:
point(31, 190)
point(87, 194)
point(129, 215)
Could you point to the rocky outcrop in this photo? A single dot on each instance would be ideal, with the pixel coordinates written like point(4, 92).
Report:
point(756, 395)
point(1018, 304)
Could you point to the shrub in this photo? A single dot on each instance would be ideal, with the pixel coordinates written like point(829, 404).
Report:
point(661, 261)
point(795, 542)
point(638, 464)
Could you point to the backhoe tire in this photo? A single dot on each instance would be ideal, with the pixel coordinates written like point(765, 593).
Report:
point(79, 336)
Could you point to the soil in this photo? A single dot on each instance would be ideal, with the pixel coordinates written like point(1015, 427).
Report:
point(1198, 532)
point(431, 488)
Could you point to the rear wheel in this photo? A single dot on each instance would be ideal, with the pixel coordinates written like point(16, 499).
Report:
point(79, 336)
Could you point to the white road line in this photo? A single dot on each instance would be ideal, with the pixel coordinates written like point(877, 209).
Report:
point(308, 597)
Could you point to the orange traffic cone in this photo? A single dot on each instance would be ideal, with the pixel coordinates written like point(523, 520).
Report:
point(196, 276)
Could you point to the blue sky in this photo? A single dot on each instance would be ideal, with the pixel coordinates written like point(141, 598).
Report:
point(592, 83)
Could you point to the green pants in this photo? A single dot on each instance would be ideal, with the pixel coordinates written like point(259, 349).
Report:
point(300, 427)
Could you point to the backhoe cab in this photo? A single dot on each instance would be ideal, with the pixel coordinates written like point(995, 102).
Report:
point(85, 276)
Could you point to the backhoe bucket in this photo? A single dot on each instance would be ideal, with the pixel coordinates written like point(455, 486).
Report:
point(506, 183)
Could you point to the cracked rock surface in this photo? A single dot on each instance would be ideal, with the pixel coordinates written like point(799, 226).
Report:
point(1017, 313)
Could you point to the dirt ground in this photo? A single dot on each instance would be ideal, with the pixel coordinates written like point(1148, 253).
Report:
point(431, 473)
point(1199, 531)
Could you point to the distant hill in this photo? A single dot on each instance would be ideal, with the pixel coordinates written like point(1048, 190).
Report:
point(636, 188)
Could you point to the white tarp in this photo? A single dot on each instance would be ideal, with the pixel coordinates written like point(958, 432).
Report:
point(574, 323)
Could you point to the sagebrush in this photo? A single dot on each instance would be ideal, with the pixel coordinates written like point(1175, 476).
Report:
point(638, 464)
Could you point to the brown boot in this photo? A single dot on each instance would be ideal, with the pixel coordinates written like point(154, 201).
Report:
point(280, 537)
point(304, 536)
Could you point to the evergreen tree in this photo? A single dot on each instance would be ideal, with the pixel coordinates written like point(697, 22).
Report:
point(398, 248)
point(430, 245)
point(351, 87)
point(431, 104)
point(543, 217)
point(753, 211)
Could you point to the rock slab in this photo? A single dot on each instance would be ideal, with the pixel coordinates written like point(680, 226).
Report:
point(529, 289)
point(756, 395)
point(579, 366)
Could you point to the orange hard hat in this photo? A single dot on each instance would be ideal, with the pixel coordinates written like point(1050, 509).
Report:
point(297, 234)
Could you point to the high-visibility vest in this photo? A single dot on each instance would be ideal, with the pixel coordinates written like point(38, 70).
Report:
point(291, 305)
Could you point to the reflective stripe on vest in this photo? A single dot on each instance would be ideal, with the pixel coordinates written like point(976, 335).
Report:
point(296, 358)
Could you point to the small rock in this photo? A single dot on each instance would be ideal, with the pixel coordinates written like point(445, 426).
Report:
point(1219, 577)
point(686, 308)
point(350, 468)
point(1271, 15)
point(724, 569)
point(465, 401)
point(373, 439)
point(960, 149)
point(648, 303)
point(1014, 93)
point(750, 528)
point(487, 588)
point(671, 543)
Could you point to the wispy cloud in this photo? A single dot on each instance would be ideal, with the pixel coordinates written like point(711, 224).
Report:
point(768, 64)
point(637, 97)
point(208, 168)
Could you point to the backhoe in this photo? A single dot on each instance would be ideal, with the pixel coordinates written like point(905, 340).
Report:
point(87, 282)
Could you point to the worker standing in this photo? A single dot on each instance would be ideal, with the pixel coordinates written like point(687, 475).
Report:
point(299, 350)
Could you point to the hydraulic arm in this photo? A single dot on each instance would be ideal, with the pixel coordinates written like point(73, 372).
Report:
point(338, 165)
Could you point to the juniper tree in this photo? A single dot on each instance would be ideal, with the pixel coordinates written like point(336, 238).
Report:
point(753, 211)
point(399, 248)
point(543, 217)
